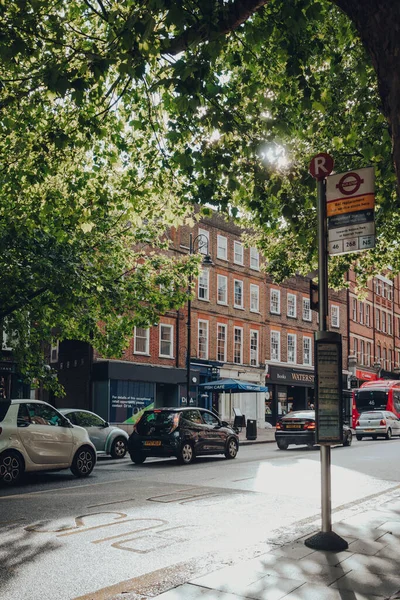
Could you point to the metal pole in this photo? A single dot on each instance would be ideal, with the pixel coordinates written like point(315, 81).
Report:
point(189, 326)
point(323, 312)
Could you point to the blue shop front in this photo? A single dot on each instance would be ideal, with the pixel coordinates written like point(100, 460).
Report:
point(122, 391)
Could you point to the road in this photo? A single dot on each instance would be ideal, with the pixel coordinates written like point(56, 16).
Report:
point(139, 528)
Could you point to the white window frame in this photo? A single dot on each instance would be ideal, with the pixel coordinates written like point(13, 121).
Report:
point(354, 309)
point(222, 247)
point(203, 283)
point(203, 248)
point(238, 329)
point(235, 304)
point(362, 352)
point(367, 314)
point(238, 253)
point(389, 323)
point(146, 338)
point(292, 341)
point(307, 340)
point(335, 318)
point(274, 291)
point(254, 295)
point(377, 319)
point(291, 301)
point(54, 348)
point(202, 324)
point(224, 279)
point(383, 321)
point(254, 349)
point(254, 259)
point(307, 316)
point(275, 357)
point(361, 312)
point(162, 327)
point(224, 328)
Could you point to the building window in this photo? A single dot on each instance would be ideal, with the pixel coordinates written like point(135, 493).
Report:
point(238, 291)
point(335, 322)
point(166, 340)
point(238, 253)
point(361, 312)
point(203, 339)
point(222, 283)
point(204, 284)
point(222, 247)
point(275, 302)
point(221, 342)
point(254, 259)
point(275, 345)
point(54, 352)
point(383, 321)
point(384, 358)
point(389, 293)
point(378, 288)
point(362, 352)
point(378, 352)
point(389, 323)
point(377, 320)
point(254, 348)
point(254, 298)
point(354, 306)
point(368, 357)
point(291, 305)
point(291, 348)
point(355, 348)
point(142, 337)
point(307, 351)
point(201, 242)
point(238, 346)
point(367, 315)
point(306, 309)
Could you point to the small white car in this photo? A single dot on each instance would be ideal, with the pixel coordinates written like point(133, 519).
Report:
point(106, 438)
point(34, 436)
point(374, 423)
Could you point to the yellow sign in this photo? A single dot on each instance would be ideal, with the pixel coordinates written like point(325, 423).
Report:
point(348, 205)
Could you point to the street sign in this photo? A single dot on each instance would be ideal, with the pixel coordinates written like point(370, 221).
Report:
point(350, 211)
point(321, 165)
point(328, 372)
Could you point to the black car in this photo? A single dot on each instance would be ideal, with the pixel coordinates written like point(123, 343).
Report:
point(298, 428)
point(181, 432)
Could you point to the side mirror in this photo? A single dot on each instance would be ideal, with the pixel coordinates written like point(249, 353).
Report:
point(224, 424)
point(66, 422)
point(106, 424)
point(22, 423)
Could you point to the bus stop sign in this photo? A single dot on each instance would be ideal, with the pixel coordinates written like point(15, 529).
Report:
point(321, 166)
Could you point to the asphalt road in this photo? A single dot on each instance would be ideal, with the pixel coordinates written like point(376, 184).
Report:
point(138, 528)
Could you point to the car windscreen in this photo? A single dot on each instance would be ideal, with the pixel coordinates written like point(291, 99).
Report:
point(301, 415)
point(4, 406)
point(371, 400)
point(156, 422)
point(372, 414)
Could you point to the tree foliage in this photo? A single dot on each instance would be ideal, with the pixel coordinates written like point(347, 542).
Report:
point(116, 116)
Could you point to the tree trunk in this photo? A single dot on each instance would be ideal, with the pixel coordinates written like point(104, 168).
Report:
point(378, 24)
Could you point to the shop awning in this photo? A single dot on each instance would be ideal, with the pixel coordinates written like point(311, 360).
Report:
point(232, 385)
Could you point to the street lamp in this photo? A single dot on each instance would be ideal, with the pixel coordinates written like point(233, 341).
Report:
point(201, 241)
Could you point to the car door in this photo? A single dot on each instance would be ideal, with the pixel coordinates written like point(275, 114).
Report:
point(394, 423)
point(214, 436)
point(43, 434)
point(194, 428)
point(95, 426)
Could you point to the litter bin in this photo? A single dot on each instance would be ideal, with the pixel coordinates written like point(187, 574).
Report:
point(251, 429)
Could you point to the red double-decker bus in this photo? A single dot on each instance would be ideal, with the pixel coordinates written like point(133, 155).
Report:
point(382, 394)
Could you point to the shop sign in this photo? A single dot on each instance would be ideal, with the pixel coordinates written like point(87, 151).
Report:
point(290, 377)
point(366, 375)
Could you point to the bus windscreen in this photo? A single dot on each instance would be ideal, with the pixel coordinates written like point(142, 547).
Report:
point(371, 400)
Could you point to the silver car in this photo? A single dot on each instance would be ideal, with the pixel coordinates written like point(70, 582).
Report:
point(105, 437)
point(376, 423)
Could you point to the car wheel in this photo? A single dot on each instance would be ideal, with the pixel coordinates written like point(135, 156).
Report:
point(118, 448)
point(388, 436)
point(186, 454)
point(84, 461)
point(137, 458)
point(348, 439)
point(282, 445)
point(11, 467)
point(359, 437)
point(232, 449)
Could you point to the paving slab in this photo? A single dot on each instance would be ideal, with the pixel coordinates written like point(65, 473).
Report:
point(368, 583)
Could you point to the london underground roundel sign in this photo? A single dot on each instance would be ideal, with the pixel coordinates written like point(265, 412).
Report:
point(321, 165)
point(350, 184)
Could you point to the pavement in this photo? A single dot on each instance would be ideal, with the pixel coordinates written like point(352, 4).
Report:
point(368, 570)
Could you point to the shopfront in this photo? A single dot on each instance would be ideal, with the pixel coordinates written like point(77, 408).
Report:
point(289, 389)
point(122, 391)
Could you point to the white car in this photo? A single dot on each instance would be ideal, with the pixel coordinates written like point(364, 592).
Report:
point(34, 436)
point(374, 423)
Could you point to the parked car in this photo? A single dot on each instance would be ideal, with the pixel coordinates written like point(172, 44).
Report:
point(377, 423)
point(34, 436)
point(298, 428)
point(181, 432)
point(105, 437)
